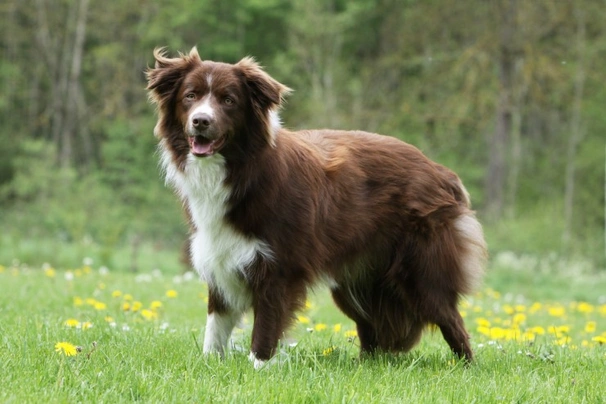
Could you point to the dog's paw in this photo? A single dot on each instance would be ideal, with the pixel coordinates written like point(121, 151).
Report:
point(257, 363)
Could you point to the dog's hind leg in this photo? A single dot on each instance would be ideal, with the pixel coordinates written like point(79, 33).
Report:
point(441, 264)
point(453, 331)
point(352, 308)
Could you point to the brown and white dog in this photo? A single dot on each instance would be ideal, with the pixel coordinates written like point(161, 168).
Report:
point(274, 211)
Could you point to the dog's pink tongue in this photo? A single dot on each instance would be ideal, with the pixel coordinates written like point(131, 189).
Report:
point(200, 145)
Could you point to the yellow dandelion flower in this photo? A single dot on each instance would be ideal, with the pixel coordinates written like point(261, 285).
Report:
point(86, 269)
point(556, 311)
point(320, 327)
point(128, 297)
point(86, 325)
point(482, 322)
point(520, 308)
point(536, 306)
point(562, 341)
point(513, 334)
point(71, 323)
point(2, 268)
point(100, 306)
point(50, 272)
point(109, 319)
point(537, 330)
point(493, 294)
point(78, 301)
point(125, 306)
point(336, 327)
point(498, 333)
point(328, 350)
point(508, 309)
point(149, 314)
point(171, 293)
point(590, 327)
point(602, 310)
point(136, 306)
point(308, 305)
point(585, 307)
point(67, 349)
point(90, 301)
point(117, 293)
point(351, 333)
point(463, 313)
point(303, 319)
point(519, 318)
point(155, 305)
point(528, 336)
point(600, 339)
point(558, 330)
point(484, 330)
point(78, 272)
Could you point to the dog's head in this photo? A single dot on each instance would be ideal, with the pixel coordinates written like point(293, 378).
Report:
point(208, 107)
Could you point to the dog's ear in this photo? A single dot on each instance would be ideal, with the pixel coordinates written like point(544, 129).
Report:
point(266, 92)
point(164, 78)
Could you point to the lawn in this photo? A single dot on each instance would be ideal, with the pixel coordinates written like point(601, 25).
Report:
point(92, 334)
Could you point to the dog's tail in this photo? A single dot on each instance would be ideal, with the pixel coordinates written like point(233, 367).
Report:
point(468, 239)
point(472, 251)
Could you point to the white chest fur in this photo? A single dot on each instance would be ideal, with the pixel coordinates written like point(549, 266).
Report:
point(219, 253)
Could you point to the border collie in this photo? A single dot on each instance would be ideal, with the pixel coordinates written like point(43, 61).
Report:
point(274, 211)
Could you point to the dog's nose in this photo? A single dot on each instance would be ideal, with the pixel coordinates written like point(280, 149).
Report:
point(201, 121)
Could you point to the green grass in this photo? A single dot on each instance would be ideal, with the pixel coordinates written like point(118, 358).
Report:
point(127, 356)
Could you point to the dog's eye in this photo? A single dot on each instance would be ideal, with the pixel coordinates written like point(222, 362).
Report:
point(228, 100)
point(190, 96)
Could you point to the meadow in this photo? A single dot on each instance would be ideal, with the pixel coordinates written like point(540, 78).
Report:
point(88, 333)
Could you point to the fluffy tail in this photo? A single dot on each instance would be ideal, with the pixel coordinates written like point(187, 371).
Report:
point(473, 252)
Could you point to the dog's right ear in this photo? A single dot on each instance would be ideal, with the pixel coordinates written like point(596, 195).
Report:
point(164, 78)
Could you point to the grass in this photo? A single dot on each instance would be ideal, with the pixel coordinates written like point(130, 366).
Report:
point(139, 339)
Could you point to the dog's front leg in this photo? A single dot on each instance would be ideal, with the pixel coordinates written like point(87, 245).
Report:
point(220, 323)
point(274, 307)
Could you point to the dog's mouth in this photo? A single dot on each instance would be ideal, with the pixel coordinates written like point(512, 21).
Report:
point(203, 147)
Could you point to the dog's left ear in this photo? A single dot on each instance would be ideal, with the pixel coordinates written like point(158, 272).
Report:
point(267, 93)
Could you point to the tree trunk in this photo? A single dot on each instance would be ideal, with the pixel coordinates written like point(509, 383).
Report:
point(76, 108)
point(63, 56)
point(497, 166)
point(576, 129)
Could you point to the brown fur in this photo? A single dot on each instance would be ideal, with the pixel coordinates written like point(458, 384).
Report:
point(392, 230)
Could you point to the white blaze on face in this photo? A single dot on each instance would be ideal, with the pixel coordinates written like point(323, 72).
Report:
point(205, 107)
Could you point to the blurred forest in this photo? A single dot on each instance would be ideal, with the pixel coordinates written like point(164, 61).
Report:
point(508, 93)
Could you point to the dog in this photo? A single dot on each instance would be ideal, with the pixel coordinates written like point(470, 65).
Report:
point(275, 211)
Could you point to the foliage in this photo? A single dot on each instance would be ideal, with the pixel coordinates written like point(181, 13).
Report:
point(514, 105)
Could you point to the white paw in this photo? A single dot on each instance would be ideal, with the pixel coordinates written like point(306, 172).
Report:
point(257, 363)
